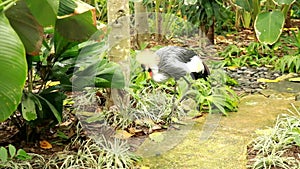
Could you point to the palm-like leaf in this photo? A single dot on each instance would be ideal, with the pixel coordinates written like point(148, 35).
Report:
point(13, 69)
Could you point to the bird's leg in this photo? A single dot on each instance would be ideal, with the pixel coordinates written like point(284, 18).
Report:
point(173, 99)
point(188, 88)
point(188, 82)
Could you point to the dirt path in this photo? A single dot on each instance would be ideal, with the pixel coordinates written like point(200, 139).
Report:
point(226, 147)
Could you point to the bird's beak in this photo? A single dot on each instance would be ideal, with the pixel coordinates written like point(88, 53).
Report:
point(148, 75)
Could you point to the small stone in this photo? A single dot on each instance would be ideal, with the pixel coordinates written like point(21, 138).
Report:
point(253, 90)
point(248, 90)
point(250, 72)
point(232, 70)
point(264, 69)
point(239, 71)
point(262, 86)
point(243, 68)
point(252, 80)
point(237, 89)
point(268, 77)
point(258, 90)
point(260, 73)
point(240, 79)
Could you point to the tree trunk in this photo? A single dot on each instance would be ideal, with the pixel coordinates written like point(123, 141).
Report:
point(119, 45)
point(211, 32)
point(158, 20)
point(141, 24)
point(288, 23)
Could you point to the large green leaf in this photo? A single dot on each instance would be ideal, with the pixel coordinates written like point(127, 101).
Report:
point(79, 27)
point(26, 26)
point(12, 70)
point(52, 105)
point(76, 24)
point(245, 4)
point(45, 11)
point(268, 26)
point(3, 155)
point(101, 74)
point(66, 7)
point(28, 107)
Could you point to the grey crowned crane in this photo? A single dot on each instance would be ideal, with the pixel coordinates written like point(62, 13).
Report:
point(173, 62)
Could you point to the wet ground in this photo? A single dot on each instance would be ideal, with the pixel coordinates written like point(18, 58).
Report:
point(218, 142)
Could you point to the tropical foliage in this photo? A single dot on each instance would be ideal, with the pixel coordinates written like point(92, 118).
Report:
point(51, 50)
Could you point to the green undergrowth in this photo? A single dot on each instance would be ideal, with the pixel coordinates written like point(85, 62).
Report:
point(273, 147)
point(79, 153)
point(282, 56)
point(253, 55)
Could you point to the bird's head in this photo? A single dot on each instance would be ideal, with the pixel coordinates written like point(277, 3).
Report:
point(149, 61)
point(147, 70)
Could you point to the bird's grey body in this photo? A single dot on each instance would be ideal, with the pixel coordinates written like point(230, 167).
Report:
point(177, 62)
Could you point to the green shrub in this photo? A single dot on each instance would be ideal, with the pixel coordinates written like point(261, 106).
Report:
point(254, 55)
point(90, 154)
point(11, 158)
point(289, 63)
point(270, 146)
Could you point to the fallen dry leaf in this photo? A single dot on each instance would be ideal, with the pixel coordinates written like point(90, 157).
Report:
point(122, 134)
point(45, 144)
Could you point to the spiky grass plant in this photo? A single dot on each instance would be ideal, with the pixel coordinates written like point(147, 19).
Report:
point(271, 145)
point(110, 154)
point(289, 63)
point(86, 156)
point(155, 104)
point(115, 154)
point(97, 153)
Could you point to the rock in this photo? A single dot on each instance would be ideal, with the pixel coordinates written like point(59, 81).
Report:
point(276, 74)
point(258, 90)
point(256, 75)
point(268, 76)
point(240, 71)
point(249, 72)
point(247, 78)
point(248, 90)
point(243, 68)
point(262, 69)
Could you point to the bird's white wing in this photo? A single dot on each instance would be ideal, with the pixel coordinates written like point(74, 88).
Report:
point(195, 65)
